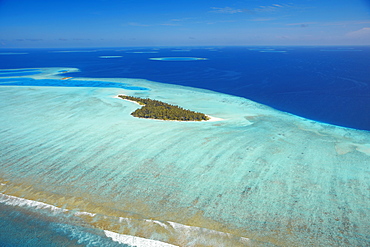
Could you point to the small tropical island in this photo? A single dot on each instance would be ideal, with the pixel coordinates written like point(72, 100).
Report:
point(155, 109)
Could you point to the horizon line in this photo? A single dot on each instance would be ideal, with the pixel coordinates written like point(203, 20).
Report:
point(164, 46)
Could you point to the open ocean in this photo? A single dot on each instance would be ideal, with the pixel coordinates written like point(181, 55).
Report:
point(287, 164)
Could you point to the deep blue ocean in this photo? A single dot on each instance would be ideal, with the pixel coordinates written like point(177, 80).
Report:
point(327, 84)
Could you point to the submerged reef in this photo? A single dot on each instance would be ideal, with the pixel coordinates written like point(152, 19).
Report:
point(159, 110)
point(79, 166)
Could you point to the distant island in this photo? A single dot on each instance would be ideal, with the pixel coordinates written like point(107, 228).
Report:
point(155, 109)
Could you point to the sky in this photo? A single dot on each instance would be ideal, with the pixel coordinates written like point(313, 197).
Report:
point(125, 23)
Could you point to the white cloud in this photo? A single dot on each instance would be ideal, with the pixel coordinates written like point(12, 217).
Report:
point(262, 8)
point(226, 10)
point(362, 33)
point(272, 7)
point(345, 23)
point(263, 19)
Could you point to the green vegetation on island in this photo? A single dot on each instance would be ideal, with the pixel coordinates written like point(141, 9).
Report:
point(159, 110)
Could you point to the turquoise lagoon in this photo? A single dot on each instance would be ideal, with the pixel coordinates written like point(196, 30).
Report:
point(257, 177)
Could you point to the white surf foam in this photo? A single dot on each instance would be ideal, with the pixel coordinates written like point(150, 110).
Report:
point(197, 235)
point(21, 202)
point(136, 241)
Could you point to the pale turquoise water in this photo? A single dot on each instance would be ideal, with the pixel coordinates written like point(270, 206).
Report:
point(259, 173)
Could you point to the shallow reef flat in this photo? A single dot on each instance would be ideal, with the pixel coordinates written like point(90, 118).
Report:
point(259, 177)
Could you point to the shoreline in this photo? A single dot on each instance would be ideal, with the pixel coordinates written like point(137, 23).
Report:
point(168, 228)
point(116, 237)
